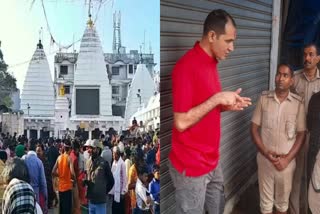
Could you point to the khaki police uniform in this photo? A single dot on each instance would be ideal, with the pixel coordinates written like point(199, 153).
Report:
point(298, 198)
point(279, 124)
point(305, 87)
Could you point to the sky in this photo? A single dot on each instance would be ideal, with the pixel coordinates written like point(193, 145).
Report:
point(21, 23)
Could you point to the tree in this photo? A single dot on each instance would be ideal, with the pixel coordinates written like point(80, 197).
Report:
point(7, 101)
point(7, 83)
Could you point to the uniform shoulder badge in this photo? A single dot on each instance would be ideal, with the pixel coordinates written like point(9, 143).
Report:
point(297, 97)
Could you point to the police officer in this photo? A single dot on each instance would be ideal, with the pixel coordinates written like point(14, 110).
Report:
point(280, 116)
point(306, 83)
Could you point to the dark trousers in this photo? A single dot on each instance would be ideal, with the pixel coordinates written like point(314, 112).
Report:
point(118, 208)
point(137, 210)
point(156, 208)
point(65, 202)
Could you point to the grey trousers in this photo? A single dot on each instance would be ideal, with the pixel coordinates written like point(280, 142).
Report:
point(193, 194)
point(109, 202)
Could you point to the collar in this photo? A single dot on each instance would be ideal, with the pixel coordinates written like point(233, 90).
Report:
point(317, 75)
point(203, 55)
point(96, 160)
point(289, 97)
point(120, 161)
point(32, 153)
point(14, 180)
point(139, 181)
point(272, 94)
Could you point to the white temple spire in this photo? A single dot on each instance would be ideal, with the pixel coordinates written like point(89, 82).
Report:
point(141, 89)
point(37, 96)
point(91, 78)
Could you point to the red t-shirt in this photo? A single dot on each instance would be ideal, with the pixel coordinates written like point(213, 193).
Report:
point(195, 78)
point(158, 156)
point(75, 162)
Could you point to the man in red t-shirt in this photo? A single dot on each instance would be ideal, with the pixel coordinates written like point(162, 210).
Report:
point(197, 103)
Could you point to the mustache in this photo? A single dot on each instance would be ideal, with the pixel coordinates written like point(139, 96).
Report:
point(306, 62)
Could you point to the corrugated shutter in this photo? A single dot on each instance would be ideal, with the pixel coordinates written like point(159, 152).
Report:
point(247, 67)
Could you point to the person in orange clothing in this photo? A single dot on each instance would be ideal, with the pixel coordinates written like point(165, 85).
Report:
point(63, 169)
point(133, 176)
point(74, 156)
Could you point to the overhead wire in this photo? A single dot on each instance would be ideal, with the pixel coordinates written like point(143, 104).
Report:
point(52, 38)
point(99, 7)
point(50, 32)
point(32, 3)
point(60, 46)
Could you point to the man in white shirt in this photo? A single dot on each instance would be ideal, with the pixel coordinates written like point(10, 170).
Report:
point(120, 182)
point(142, 194)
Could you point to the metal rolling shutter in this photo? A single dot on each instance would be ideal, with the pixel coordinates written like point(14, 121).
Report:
point(247, 67)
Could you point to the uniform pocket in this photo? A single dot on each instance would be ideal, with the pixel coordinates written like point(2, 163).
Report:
point(268, 119)
point(291, 126)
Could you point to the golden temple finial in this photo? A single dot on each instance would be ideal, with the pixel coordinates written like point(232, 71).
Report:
point(61, 91)
point(90, 22)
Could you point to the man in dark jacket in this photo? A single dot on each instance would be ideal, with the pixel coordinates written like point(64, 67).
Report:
point(52, 153)
point(313, 118)
point(99, 179)
point(151, 157)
